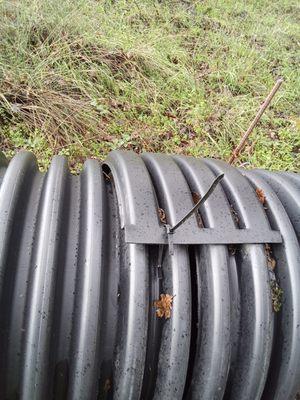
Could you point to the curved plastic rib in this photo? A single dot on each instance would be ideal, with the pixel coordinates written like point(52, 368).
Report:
point(17, 175)
point(41, 296)
point(129, 173)
point(284, 374)
point(133, 322)
point(175, 342)
point(254, 349)
point(288, 194)
point(212, 359)
point(18, 260)
point(89, 286)
point(292, 177)
point(136, 197)
point(3, 166)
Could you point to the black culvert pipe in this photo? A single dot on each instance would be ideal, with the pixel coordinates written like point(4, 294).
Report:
point(84, 258)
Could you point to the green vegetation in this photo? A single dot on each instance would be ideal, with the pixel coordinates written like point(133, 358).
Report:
point(83, 77)
point(277, 296)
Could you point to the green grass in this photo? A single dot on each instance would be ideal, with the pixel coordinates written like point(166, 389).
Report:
point(84, 77)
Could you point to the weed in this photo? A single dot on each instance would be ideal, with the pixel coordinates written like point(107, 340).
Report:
point(277, 295)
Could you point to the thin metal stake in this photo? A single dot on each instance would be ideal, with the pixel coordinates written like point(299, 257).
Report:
point(197, 205)
point(260, 112)
point(171, 229)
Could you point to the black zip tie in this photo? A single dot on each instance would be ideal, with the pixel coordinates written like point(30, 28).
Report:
point(160, 259)
point(170, 239)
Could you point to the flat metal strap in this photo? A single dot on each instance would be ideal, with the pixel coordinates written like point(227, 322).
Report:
point(138, 235)
point(138, 206)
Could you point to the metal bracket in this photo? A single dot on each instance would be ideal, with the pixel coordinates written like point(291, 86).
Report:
point(135, 191)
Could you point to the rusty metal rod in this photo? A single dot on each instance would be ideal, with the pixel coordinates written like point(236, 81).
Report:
point(260, 112)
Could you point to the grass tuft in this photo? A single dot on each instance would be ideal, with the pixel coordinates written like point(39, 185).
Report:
point(82, 78)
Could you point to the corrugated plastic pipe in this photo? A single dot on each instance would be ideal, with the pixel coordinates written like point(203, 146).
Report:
point(84, 258)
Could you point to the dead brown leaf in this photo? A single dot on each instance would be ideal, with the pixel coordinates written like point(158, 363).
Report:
point(107, 385)
point(270, 259)
point(164, 306)
point(271, 263)
point(234, 214)
point(260, 195)
point(162, 216)
point(196, 198)
point(232, 249)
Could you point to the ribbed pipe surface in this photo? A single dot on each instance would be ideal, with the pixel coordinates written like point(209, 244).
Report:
point(77, 315)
